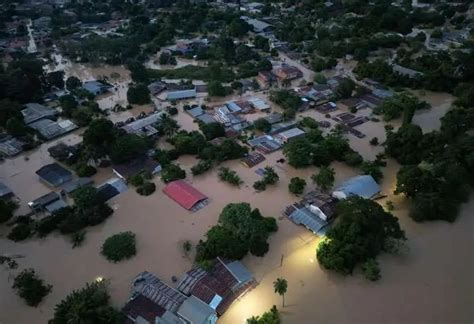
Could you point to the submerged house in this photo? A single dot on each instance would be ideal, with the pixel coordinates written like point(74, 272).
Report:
point(131, 168)
point(314, 211)
point(95, 87)
point(185, 195)
point(153, 301)
point(363, 186)
point(54, 175)
point(35, 111)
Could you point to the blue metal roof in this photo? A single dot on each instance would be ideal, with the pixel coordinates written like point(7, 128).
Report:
point(181, 94)
point(363, 186)
point(305, 217)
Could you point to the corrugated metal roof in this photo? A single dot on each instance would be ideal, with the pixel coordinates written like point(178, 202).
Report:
point(183, 193)
point(181, 94)
point(306, 218)
point(364, 186)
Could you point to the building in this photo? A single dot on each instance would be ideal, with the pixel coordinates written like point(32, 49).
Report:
point(265, 79)
point(95, 87)
point(49, 203)
point(155, 302)
point(259, 104)
point(54, 175)
point(206, 119)
point(274, 118)
point(111, 188)
point(314, 211)
point(145, 127)
point(264, 144)
point(289, 134)
point(185, 195)
point(5, 192)
point(195, 112)
point(288, 73)
point(181, 94)
point(129, 169)
point(73, 185)
point(252, 159)
point(34, 112)
point(363, 186)
point(258, 26)
point(50, 129)
point(410, 73)
point(218, 287)
point(10, 146)
point(156, 87)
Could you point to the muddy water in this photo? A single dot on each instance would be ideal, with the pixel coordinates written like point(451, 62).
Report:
point(432, 283)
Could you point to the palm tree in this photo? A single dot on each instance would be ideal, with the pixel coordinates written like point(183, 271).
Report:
point(167, 125)
point(281, 285)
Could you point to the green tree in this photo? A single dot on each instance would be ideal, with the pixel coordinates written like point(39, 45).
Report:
point(201, 167)
point(212, 130)
point(119, 247)
point(403, 145)
point(230, 176)
point(372, 169)
point(262, 125)
point(280, 286)
point(20, 232)
point(172, 172)
point(167, 126)
point(296, 185)
point(138, 95)
point(361, 233)
point(99, 136)
point(7, 208)
point(215, 89)
point(16, 127)
point(128, 147)
point(325, 178)
point(85, 197)
point(270, 177)
point(87, 305)
point(73, 83)
point(345, 88)
point(270, 317)
point(30, 287)
point(371, 270)
point(8, 110)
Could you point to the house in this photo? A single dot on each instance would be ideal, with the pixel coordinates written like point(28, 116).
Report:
point(206, 119)
point(131, 168)
point(54, 175)
point(410, 73)
point(34, 112)
point(274, 118)
point(145, 126)
point(50, 202)
point(73, 185)
point(363, 186)
point(314, 211)
point(264, 144)
point(10, 146)
point(113, 187)
point(181, 94)
point(156, 88)
point(289, 134)
point(50, 129)
point(153, 302)
point(258, 26)
point(185, 195)
point(5, 192)
point(195, 112)
point(95, 87)
point(218, 287)
point(259, 104)
point(280, 127)
point(252, 160)
point(288, 73)
point(265, 79)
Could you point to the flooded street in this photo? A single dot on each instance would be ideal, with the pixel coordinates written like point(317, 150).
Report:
point(432, 283)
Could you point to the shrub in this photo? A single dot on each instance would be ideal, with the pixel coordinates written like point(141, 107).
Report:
point(260, 185)
point(201, 167)
point(172, 172)
point(78, 238)
point(371, 270)
point(230, 176)
point(146, 189)
point(119, 246)
point(374, 141)
point(84, 170)
point(296, 185)
point(136, 180)
point(7, 207)
point(20, 232)
point(31, 288)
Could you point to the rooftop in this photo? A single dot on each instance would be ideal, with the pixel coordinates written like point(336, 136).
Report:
point(35, 111)
point(54, 174)
point(184, 194)
point(363, 185)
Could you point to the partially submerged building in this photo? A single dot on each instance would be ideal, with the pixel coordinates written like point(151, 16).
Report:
point(49, 203)
point(34, 112)
point(95, 87)
point(185, 195)
point(145, 127)
point(131, 168)
point(363, 186)
point(10, 146)
point(50, 129)
point(314, 211)
point(5, 192)
point(54, 174)
point(113, 187)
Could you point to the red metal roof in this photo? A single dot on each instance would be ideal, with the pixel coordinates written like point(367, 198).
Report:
point(183, 193)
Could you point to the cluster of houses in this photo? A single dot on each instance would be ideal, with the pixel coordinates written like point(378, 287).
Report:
point(230, 114)
point(201, 296)
point(316, 210)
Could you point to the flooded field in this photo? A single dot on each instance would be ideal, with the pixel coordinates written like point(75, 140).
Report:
point(432, 283)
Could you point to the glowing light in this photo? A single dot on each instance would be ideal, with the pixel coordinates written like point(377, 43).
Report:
point(311, 260)
point(99, 279)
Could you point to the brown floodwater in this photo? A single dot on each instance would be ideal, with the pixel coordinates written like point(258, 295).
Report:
point(432, 283)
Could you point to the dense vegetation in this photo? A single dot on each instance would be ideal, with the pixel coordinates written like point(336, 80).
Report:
point(363, 230)
point(270, 317)
point(30, 287)
point(90, 304)
point(119, 247)
point(239, 230)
